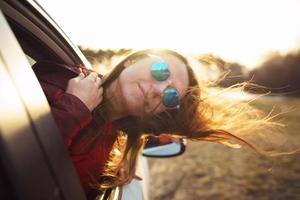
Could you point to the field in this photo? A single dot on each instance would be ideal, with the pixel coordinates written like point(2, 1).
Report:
point(208, 171)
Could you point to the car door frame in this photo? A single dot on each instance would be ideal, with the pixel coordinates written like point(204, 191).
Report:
point(35, 162)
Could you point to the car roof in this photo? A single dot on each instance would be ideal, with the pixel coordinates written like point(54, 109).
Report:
point(33, 17)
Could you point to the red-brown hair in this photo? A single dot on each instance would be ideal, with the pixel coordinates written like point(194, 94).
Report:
point(200, 117)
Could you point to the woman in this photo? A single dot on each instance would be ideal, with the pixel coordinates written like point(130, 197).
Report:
point(149, 93)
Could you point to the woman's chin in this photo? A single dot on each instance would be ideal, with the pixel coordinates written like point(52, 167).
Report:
point(135, 109)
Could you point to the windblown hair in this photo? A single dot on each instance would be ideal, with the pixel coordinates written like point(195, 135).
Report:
point(201, 117)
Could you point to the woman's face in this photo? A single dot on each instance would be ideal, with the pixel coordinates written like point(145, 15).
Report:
point(141, 92)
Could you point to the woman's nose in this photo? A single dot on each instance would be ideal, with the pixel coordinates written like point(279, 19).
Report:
point(160, 86)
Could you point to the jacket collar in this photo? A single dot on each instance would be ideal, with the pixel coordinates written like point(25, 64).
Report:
point(54, 73)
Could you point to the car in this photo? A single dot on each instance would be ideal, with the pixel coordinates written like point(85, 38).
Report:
point(34, 163)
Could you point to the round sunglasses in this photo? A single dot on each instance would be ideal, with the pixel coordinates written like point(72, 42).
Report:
point(170, 97)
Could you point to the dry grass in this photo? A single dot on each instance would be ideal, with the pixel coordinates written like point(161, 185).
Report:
point(210, 171)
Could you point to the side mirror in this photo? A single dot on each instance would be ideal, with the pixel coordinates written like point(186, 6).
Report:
point(164, 150)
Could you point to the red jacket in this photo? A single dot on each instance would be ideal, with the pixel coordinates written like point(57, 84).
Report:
point(74, 121)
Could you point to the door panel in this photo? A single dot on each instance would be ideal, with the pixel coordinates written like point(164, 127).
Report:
point(32, 149)
point(20, 153)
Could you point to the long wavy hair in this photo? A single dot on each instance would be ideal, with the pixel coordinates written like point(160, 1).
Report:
point(201, 117)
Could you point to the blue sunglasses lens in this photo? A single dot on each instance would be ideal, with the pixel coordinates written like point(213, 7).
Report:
point(171, 98)
point(160, 71)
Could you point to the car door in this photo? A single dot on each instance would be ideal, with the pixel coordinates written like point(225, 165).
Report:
point(34, 163)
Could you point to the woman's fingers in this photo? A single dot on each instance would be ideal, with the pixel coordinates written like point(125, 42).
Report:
point(92, 76)
point(101, 91)
point(100, 98)
point(98, 81)
point(87, 89)
point(80, 76)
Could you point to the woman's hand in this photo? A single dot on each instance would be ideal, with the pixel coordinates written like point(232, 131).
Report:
point(88, 89)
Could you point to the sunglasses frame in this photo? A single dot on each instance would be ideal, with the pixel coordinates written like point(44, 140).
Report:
point(162, 73)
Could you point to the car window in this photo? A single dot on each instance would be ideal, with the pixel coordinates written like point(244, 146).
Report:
point(32, 46)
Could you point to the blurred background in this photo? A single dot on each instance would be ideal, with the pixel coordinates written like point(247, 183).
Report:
point(231, 41)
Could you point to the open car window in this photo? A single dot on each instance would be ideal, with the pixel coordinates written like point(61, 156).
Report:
point(32, 46)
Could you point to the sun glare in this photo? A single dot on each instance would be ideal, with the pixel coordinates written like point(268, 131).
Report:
point(241, 31)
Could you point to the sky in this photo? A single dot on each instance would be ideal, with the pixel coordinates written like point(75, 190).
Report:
point(236, 30)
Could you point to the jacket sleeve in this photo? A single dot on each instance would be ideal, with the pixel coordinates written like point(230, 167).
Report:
point(70, 113)
point(71, 116)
